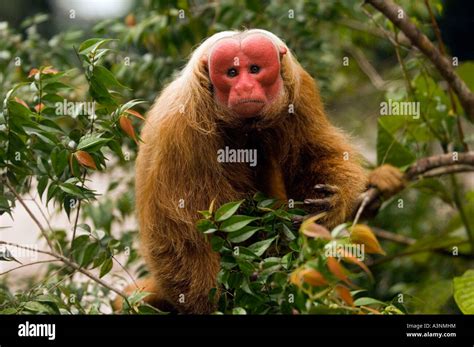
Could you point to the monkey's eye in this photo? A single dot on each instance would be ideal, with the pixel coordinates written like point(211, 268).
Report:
point(254, 69)
point(232, 72)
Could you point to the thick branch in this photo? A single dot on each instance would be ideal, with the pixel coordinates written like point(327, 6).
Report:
point(424, 165)
point(428, 167)
point(433, 166)
point(398, 16)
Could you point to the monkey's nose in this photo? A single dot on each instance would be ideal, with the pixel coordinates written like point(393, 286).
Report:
point(244, 88)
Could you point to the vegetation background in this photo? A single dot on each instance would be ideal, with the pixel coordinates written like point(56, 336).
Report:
point(70, 176)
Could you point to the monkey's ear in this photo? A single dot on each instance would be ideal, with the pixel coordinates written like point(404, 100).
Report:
point(282, 51)
point(204, 60)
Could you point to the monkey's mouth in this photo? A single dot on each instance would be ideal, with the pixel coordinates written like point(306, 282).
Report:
point(250, 101)
point(248, 107)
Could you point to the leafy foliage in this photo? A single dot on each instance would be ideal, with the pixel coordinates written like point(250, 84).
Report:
point(268, 267)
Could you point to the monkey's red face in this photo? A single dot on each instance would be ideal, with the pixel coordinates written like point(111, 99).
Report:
point(245, 74)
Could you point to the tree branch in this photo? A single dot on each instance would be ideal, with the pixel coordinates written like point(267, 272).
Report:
point(367, 68)
point(408, 241)
point(71, 264)
point(426, 167)
point(29, 264)
point(441, 250)
point(398, 16)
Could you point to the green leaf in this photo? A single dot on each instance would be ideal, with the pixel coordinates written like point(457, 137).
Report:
point(52, 189)
point(466, 72)
point(106, 267)
point(106, 77)
point(267, 203)
point(78, 246)
point(137, 296)
point(227, 210)
point(47, 138)
point(239, 311)
point(92, 45)
point(206, 226)
point(71, 189)
point(464, 292)
point(89, 253)
point(100, 93)
point(59, 161)
point(245, 266)
point(367, 301)
point(9, 310)
point(42, 183)
point(244, 253)
point(54, 87)
point(288, 232)
point(235, 223)
point(37, 307)
point(389, 150)
point(243, 234)
point(84, 227)
point(92, 142)
point(217, 243)
point(260, 247)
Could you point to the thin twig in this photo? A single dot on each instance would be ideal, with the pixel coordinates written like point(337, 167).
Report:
point(462, 212)
point(367, 68)
point(120, 264)
point(387, 235)
point(378, 31)
point(71, 264)
point(403, 66)
point(25, 265)
point(30, 213)
point(442, 250)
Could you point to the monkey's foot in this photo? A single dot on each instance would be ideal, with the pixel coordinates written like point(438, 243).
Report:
point(327, 198)
point(388, 179)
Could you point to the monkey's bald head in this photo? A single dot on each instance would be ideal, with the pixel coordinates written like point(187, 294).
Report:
point(245, 73)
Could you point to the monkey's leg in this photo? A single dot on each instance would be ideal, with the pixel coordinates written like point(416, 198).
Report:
point(187, 276)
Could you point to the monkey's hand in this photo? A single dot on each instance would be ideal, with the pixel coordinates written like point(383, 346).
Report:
point(327, 196)
point(388, 179)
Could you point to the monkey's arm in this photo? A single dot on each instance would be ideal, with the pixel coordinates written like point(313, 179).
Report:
point(340, 199)
point(332, 182)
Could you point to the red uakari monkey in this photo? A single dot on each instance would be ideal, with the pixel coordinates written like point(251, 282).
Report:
point(239, 90)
